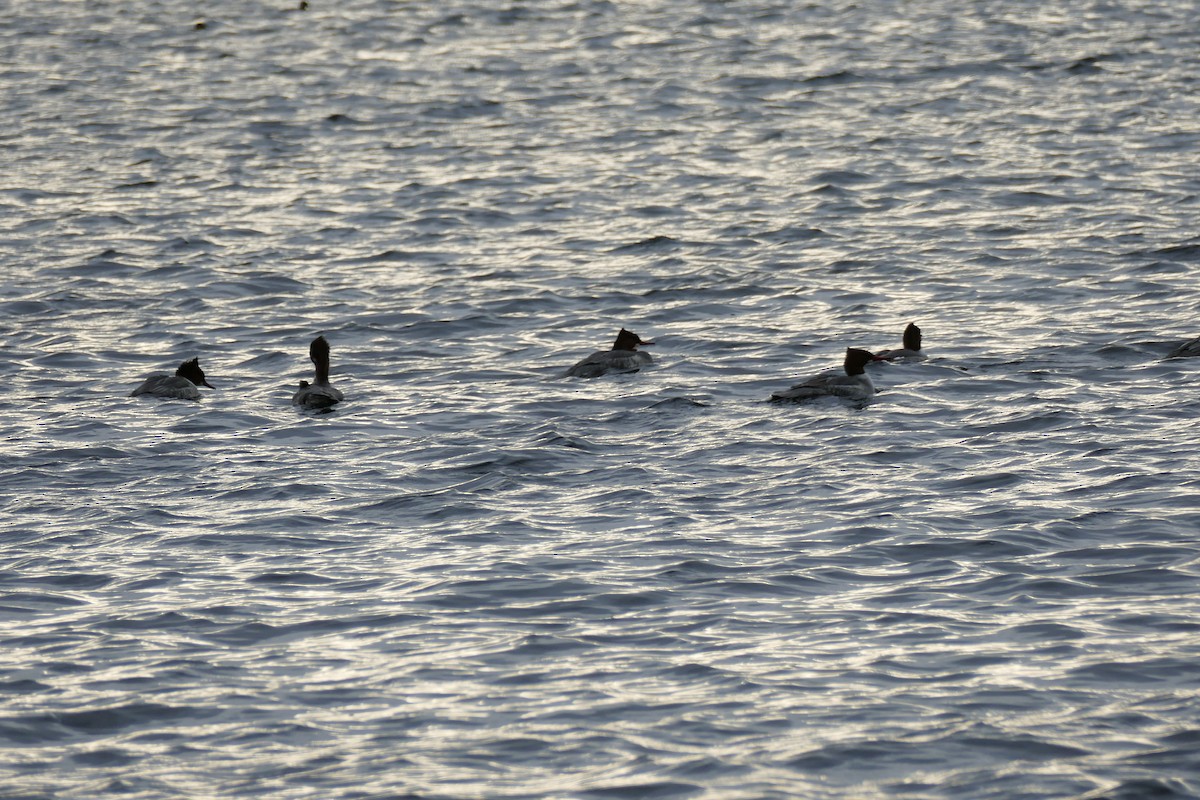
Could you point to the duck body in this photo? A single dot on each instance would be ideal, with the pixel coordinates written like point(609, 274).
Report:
point(183, 385)
point(604, 361)
point(910, 351)
point(1186, 350)
point(316, 396)
point(623, 357)
point(321, 393)
point(852, 383)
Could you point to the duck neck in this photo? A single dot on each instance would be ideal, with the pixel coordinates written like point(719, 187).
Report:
point(322, 368)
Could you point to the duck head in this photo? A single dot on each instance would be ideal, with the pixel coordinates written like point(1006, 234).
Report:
point(628, 340)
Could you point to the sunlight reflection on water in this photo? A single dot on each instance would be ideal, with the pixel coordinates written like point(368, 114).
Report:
point(479, 578)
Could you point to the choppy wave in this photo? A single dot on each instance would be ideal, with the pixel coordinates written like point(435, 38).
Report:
point(478, 578)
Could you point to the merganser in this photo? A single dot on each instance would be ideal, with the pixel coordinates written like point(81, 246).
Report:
point(623, 357)
point(1186, 350)
point(911, 350)
point(854, 385)
point(319, 394)
point(180, 386)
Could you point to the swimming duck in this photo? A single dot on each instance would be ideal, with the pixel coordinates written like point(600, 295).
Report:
point(180, 386)
point(1186, 350)
point(854, 384)
point(319, 394)
point(911, 351)
point(623, 357)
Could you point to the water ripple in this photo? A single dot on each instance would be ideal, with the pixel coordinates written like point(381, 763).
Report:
point(476, 578)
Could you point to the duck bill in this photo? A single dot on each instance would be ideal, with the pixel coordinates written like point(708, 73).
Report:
point(204, 382)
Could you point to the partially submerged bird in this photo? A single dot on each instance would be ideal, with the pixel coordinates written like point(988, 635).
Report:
point(854, 384)
point(623, 357)
point(911, 351)
point(1186, 350)
point(319, 394)
point(180, 386)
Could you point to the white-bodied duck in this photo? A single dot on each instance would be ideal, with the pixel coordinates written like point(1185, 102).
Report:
point(183, 385)
point(911, 351)
point(854, 384)
point(623, 357)
point(320, 393)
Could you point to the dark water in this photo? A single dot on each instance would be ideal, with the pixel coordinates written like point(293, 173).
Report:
point(479, 579)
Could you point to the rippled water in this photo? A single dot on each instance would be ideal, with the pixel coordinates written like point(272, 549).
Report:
point(479, 579)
